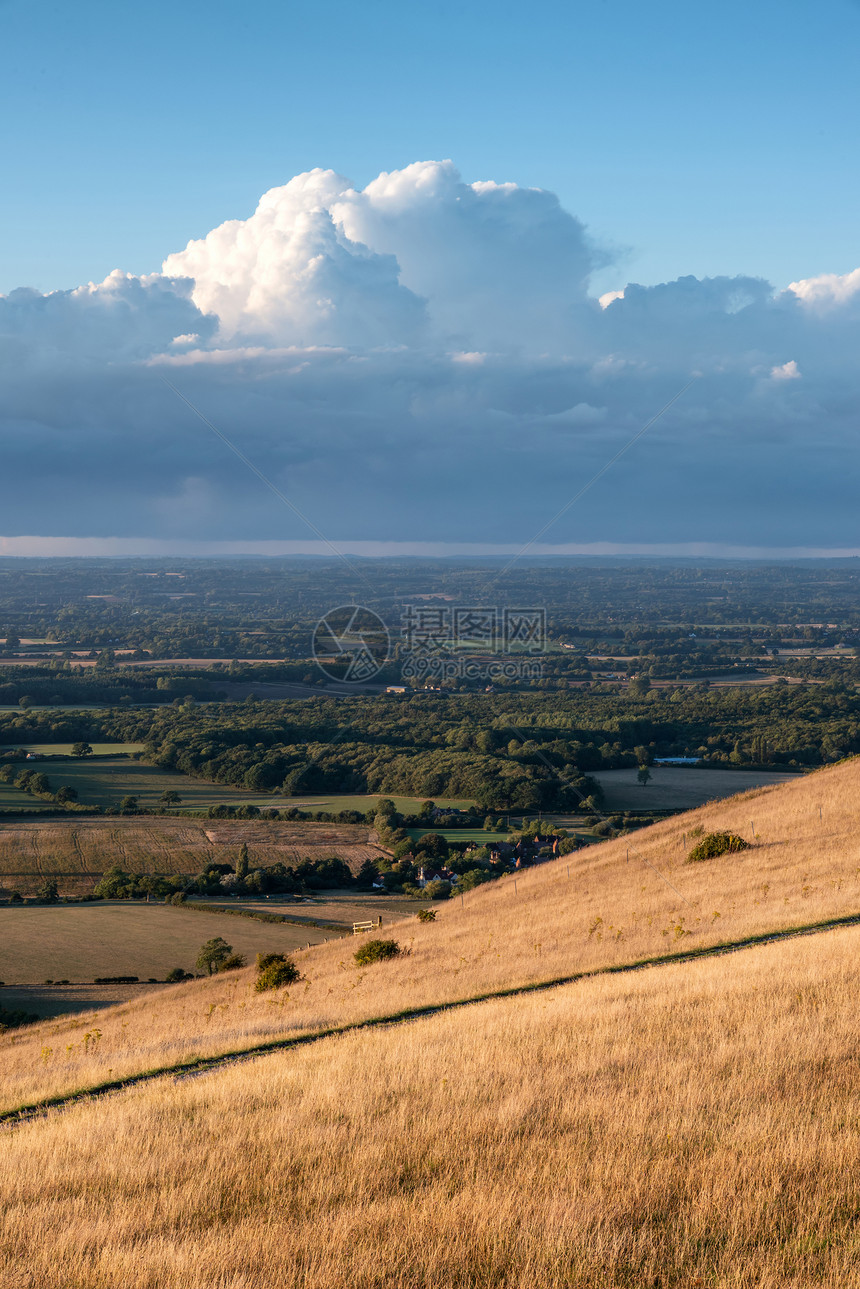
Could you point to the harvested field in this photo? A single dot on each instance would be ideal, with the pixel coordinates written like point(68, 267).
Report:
point(363, 802)
point(78, 943)
point(675, 787)
point(46, 1001)
point(77, 851)
point(339, 908)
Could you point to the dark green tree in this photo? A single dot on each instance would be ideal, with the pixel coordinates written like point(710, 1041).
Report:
point(213, 954)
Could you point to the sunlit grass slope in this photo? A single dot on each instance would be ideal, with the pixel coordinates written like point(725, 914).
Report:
point(695, 1125)
point(581, 913)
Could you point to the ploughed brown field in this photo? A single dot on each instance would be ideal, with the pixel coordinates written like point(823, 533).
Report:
point(77, 852)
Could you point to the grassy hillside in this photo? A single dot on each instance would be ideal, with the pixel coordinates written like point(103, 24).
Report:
point(689, 1126)
point(583, 912)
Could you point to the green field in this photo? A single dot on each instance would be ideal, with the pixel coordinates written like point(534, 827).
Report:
point(99, 749)
point(459, 834)
point(57, 707)
point(13, 799)
point(105, 780)
point(80, 942)
point(106, 777)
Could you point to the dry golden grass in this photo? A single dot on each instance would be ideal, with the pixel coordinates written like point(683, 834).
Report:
point(685, 1126)
point(607, 911)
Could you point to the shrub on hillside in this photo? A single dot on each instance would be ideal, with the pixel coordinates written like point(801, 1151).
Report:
point(376, 951)
point(437, 890)
point(176, 974)
point(274, 970)
point(716, 843)
point(426, 915)
point(473, 877)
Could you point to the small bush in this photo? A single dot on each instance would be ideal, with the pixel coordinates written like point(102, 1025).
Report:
point(233, 963)
point(426, 915)
point(716, 843)
point(12, 1019)
point(376, 951)
point(274, 970)
point(178, 973)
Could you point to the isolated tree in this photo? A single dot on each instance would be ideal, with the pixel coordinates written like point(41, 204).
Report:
point(48, 892)
point(171, 798)
point(643, 775)
point(81, 749)
point(129, 805)
point(213, 954)
point(433, 845)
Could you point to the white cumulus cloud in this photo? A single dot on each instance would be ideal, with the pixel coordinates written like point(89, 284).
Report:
point(786, 371)
point(829, 289)
point(422, 359)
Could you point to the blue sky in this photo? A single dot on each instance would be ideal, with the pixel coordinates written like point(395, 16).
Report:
point(414, 350)
point(697, 139)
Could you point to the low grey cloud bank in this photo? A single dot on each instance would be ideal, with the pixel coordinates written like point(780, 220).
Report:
point(422, 361)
